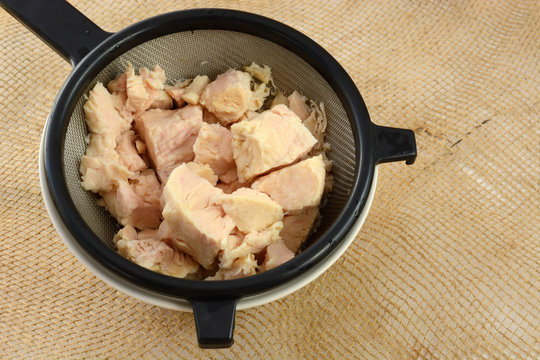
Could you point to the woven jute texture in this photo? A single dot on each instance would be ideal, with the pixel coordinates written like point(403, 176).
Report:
point(447, 264)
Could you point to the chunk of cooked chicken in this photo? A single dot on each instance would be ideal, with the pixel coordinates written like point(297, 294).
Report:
point(163, 101)
point(228, 96)
point(137, 97)
point(279, 99)
point(193, 222)
point(295, 187)
point(134, 93)
point(277, 253)
point(101, 173)
point(251, 210)
point(169, 136)
point(204, 171)
point(101, 168)
point(117, 88)
point(101, 115)
point(176, 91)
point(274, 138)
point(136, 204)
point(297, 103)
point(147, 251)
point(240, 245)
point(118, 84)
point(214, 148)
point(129, 156)
point(193, 92)
point(153, 81)
point(258, 97)
point(240, 268)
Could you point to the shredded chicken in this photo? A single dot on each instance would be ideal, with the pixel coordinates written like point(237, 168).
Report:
point(263, 73)
point(211, 179)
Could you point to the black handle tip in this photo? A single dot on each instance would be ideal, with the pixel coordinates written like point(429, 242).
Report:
point(214, 320)
point(394, 144)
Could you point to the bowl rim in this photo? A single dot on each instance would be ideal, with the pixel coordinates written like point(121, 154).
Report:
point(201, 19)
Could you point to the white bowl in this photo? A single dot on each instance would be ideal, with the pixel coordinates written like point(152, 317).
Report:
point(175, 303)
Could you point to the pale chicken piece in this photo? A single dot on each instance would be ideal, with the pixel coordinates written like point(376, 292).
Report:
point(228, 96)
point(204, 171)
point(263, 73)
point(117, 88)
point(274, 138)
point(297, 103)
point(135, 204)
point(147, 186)
point(100, 167)
point(276, 254)
point(101, 145)
point(133, 93)
point(101, 115)
point(251, 210)
point(193, 92)
point(258, 97)
point(144, 90)
point(125, 233)
point(279, 99)
point(129, 157)
point(102, 173)
point(176, 91)
point(192, 221)
point(147, 234)
point(240, 245)
point(147, 251)
point(118, 84)
point(214, 148)
point(169, 136)
point(163, 101)
point(296, 227)
point(295, 187)
point(240, 268)
point(154, 80)
point(119, 102)
point(137, 97)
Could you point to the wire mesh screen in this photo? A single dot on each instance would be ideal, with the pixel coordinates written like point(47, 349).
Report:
point(211, 52)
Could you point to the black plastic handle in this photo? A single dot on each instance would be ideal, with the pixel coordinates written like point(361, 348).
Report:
point(64, 28)
point(394, 144)
point(214, 320)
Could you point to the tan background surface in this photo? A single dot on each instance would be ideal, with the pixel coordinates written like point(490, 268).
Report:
point(447, 263)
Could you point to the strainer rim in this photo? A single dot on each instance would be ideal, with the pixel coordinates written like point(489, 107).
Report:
point(206, 19)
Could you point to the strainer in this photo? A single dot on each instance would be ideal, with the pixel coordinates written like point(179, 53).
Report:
point(185, 44)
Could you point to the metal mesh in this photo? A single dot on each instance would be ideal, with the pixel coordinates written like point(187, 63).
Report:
point(211, 52)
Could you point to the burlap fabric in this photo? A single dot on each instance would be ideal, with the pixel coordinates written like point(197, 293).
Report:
point(447, 263)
